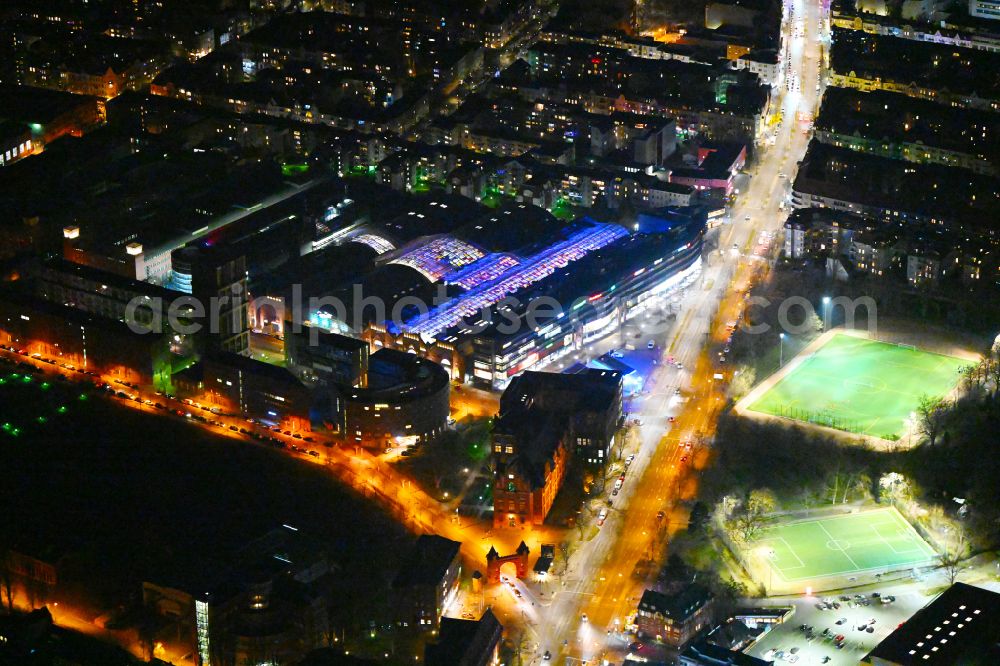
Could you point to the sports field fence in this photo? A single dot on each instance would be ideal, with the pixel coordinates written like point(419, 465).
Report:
point(821, 418)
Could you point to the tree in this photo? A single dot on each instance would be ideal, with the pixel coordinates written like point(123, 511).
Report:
point(932, 413)
point(698, 518)
point(624, 436)
point(751, 517)
point(761, 501)
point(521, 644)
point(746, 526)
point(950, 561)
point(564, 550)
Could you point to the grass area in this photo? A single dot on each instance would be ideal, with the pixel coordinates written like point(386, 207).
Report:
point(562, 209)
point(132, 496)
point(493, 198)
point(862, 386)
point(42, 403)
point(294, 169)
point(843, 545)
point(440, 466)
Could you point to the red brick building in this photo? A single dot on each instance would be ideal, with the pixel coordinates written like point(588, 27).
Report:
point(675, 619)
point(545, 420)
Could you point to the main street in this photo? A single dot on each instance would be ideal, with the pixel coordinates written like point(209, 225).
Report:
point(607, 574)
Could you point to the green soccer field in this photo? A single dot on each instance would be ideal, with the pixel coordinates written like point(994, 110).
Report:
point(871, 541)
point(862, 386)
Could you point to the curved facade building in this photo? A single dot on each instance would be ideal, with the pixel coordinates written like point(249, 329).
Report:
point(405, 401)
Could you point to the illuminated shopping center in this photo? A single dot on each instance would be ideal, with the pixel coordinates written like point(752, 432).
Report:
point(506, 313)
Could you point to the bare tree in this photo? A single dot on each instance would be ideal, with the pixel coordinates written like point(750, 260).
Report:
point(950, 561)
point(751, 517)
point(624, 435)
point(564, 550)
point(932, 413)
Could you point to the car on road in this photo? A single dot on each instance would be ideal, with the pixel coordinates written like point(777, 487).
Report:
point(628, 461)
point(841, 620)
point(547, 656)
point(601, 517)
point(650, 345)
point(684, 458)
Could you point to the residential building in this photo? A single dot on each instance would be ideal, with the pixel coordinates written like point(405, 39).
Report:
point(268, 604)
point(427, 583)
point(236, 384)
point(46, 115)
point(677, 618)
point(15, 142)
point(890, 124)
point(894, 190)
point(544, 420)
point(951, 75)
point(950, 29)
point(985, 9)
point(466, 642)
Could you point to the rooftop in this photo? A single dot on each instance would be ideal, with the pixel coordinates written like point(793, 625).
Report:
point(927, 190)
point(925, 65)
point(24, 104)
point(537, 407)
point(707, 653)
point(892, 117)
point(427, 561)
point(464, 641)
point(678, 607)
point(962, 626)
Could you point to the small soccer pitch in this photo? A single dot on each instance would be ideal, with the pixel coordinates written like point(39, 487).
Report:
point(860, 386)
point(869, 542)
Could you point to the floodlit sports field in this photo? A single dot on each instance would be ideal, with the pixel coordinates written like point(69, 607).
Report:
point(860, 385)
point(844, 545)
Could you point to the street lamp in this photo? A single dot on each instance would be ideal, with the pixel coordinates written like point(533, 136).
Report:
point(781, 350)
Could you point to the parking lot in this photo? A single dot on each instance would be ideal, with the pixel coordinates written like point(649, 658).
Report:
point(812, 647)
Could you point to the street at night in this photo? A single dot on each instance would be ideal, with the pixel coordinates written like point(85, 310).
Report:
point(499, 332)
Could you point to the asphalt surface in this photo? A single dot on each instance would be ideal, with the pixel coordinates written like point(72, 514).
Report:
point(607, 573)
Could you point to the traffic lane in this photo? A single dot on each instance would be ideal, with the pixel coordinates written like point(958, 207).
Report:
point(757, 190)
